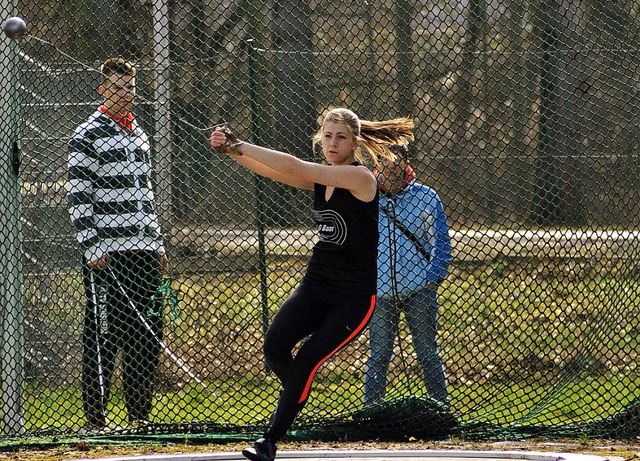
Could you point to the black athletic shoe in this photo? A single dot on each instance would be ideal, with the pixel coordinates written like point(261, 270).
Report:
point(263, 450)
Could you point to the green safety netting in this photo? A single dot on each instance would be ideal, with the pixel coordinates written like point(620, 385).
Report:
point(527, 127)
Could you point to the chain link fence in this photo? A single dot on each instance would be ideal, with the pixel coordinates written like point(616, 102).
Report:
point(527, 127)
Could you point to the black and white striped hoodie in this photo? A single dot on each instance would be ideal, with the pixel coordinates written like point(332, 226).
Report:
point(110, 196)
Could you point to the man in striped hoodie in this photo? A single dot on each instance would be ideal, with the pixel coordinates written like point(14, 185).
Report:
point(111, 203)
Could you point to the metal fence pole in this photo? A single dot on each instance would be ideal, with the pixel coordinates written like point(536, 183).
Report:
point(11, 353)
point(262, 254)
point(162, 108)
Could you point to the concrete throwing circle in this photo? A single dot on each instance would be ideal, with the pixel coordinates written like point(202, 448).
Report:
point(376, 455)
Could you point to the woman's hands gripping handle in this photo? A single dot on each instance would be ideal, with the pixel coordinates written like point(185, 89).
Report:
point(222, 140)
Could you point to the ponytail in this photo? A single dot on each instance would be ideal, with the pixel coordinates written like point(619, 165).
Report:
point(374, 137)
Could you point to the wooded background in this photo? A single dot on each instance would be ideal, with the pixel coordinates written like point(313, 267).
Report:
point(526, 111)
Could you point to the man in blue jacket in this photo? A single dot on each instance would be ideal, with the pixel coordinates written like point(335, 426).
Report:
point(414, 253)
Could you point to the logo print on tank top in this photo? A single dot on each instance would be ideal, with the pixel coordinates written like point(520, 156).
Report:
point(331, 227)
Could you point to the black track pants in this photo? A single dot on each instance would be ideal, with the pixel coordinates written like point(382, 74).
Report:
point(330, 322)
point(111, 324)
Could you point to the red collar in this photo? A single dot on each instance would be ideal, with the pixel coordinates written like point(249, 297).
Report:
point(409, 176)
point(124, 121)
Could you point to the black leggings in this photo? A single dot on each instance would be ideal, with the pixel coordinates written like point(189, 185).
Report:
point(330, 321)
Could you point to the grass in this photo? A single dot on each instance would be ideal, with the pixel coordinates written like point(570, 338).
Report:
point(536, 343)
point(524, 404)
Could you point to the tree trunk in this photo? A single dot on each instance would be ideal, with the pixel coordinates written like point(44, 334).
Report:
point(293, 99)
point(556, 200)
point(405, 12)
point(463, 99)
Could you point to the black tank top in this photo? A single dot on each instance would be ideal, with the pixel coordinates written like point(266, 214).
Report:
point(344, 259)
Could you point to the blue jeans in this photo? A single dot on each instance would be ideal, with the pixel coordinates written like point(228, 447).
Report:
point(421, 313)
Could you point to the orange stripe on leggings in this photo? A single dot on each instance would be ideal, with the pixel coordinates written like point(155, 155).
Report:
point(307, 387)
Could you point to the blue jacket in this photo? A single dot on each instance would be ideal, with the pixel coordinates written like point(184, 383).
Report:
point(419, 209)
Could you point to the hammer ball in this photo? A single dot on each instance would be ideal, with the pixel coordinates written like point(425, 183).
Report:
point(15, 28)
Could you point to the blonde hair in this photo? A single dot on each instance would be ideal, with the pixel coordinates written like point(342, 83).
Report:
point(375, 137)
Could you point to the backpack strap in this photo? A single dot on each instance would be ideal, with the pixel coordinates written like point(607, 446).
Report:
point(412, 238)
